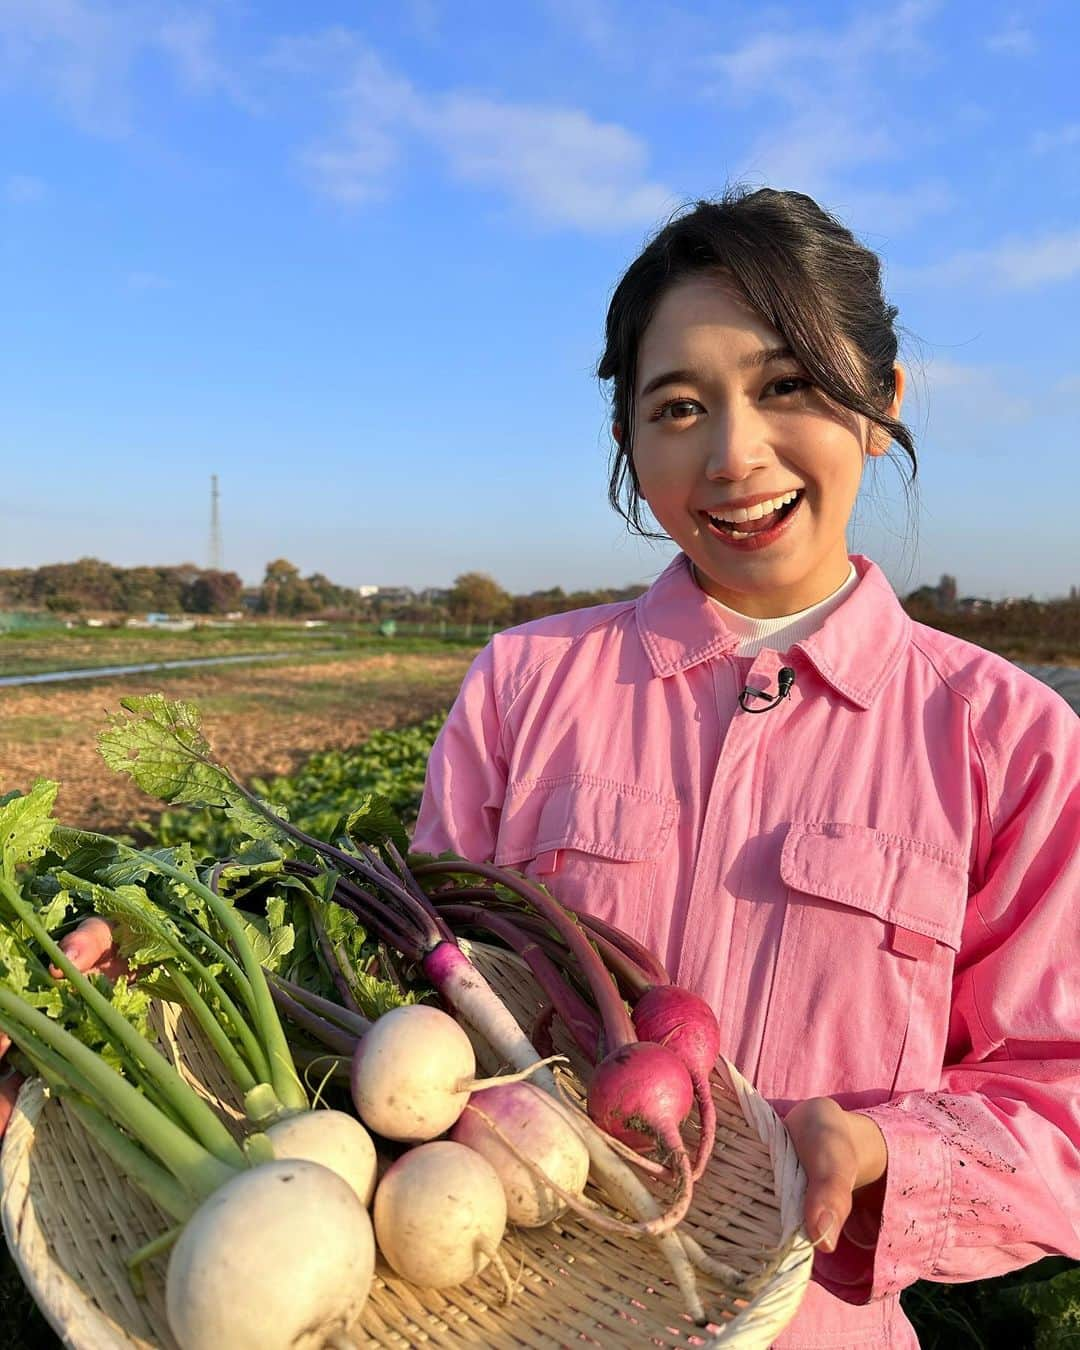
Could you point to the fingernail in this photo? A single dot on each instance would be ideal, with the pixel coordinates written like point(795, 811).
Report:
point(826, 1230)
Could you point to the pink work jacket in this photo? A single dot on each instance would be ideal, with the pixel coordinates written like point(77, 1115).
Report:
point(876, 885)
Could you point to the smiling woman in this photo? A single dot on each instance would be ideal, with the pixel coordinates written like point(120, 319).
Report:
point(874, 886)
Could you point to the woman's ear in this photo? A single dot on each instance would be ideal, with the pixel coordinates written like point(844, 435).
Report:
point(616, 432)
point(879, 438)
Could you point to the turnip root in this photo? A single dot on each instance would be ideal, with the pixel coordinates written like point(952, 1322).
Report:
point(332, 1139)
point(281, 1256)
point(412, 1074)
point(440, 1214)
point(536, 1128)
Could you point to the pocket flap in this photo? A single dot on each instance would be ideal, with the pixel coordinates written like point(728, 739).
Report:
point(578, 811)
point(917, 885)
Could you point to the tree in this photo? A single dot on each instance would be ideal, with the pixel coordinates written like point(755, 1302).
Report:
point(281, 578)
point(213, 592)
point(478, 598)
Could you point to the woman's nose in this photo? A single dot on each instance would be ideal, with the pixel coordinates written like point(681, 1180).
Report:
point(737, 446)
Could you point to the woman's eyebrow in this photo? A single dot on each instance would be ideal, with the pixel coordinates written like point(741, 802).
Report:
point(687, 375)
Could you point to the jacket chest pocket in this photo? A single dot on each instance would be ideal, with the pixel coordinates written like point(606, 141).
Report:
point(593, 842)
point(862, 990)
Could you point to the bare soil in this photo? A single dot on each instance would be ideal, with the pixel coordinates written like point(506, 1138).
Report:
point(261, 720)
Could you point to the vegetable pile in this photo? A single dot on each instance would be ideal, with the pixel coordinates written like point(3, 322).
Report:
point(336, 959)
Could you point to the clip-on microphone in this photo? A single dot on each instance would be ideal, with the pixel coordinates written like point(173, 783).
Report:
point(784, 680)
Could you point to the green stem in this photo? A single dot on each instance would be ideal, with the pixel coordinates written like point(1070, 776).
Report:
point(195, 1167)
point(212, 1029)
point(286, 1084)
point(147, 1252)
point(113, 900)
point(195, 1113)
point(227, 960)
point(133, 1161)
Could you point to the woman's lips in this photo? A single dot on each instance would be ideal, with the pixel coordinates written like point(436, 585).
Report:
point(749, 536)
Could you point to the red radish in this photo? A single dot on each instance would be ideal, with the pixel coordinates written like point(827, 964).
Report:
point(532, 1124)
point(686, 1025)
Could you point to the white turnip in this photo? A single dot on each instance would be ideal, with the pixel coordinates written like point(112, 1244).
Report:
point(279, 1258)
point(440, 1214)
point(332, 1139)
point(412, 1074)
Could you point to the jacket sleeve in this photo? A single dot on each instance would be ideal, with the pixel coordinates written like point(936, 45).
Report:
point(983, 1174)
point(466, 773)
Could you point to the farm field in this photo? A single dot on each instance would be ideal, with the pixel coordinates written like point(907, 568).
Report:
point(33, 652)
point(263, 719)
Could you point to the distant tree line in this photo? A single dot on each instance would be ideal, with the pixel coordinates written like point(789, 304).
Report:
point(93, 585)
point(1041, 630)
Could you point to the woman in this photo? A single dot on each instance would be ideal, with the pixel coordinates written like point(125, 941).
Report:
point(854, 835)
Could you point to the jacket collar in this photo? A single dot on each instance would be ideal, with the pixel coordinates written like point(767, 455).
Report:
point(855, 650)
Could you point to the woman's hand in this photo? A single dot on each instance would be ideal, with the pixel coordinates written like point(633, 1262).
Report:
point(840, 1151)
point(89, 947)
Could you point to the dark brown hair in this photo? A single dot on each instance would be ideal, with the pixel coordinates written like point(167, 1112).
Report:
point(800, 269)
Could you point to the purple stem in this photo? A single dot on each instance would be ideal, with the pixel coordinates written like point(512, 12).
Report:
point(332, 1037)
point(572, 1008)
point(540, 1035)
point(386, 924)
point(409, 906)
point(353, 1022)
point(618, 1029)
point(632, 979)
point(651, 966)
point(329, 958)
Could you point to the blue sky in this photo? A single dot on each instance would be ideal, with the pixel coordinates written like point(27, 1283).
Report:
point(355, 260)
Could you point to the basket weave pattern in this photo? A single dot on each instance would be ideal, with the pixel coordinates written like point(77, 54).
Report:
point(71, 1220)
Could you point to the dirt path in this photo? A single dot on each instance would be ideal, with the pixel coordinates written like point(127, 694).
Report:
point(261, 720)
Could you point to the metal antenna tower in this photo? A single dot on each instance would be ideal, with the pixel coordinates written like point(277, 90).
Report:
point(215, 526)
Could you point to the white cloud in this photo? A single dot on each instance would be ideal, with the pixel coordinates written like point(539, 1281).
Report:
point(21, 189)
point(81, 53)
point(1015, 264)
point(827, 112)
point(558, 165)
point(795, 63)
point(1046, 142)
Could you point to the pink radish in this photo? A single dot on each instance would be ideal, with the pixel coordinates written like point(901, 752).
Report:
point(534, 1125)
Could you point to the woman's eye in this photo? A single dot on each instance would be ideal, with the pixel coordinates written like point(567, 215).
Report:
point(679, 409)
point(789, 384)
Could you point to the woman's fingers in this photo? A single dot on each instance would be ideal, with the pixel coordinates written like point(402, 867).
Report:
point(827, 1154)
point(840, 1151)
point(90, 947)
point(9, 1090)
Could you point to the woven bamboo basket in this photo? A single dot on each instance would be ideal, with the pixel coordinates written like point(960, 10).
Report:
point(71, 1220)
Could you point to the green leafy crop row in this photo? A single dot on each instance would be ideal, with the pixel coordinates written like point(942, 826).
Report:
point(326, 787)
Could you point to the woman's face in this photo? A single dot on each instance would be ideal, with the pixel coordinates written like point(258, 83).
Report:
point(726, 422)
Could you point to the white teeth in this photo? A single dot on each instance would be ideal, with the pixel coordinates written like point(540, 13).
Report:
point(744, 513)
